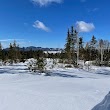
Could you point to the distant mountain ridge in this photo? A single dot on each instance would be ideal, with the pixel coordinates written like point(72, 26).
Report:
point(33, 48)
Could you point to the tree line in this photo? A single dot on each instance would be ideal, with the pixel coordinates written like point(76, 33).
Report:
point(13, 54)
point(93, 50)
point(75, 49)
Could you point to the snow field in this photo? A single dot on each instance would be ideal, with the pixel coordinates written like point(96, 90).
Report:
point(64, 89)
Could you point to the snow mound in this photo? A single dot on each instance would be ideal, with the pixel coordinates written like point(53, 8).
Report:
point(104, 105)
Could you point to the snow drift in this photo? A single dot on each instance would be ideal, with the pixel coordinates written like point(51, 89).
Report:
point(104, 105)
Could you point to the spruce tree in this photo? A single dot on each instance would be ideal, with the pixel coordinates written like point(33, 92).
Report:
point(15, 51)
point(81, 49)
point(93, 42)
point(93, 52)
point(11, 53)
point(68, 47)
point(71, 46)
point(80, 43)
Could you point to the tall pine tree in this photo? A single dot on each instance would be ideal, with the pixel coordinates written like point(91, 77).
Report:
point(68, 47)
point(71, 46)
point(93, 49)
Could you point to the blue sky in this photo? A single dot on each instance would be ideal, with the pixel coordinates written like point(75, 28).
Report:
point(45, 22)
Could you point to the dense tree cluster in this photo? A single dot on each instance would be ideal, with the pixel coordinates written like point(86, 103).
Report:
point(14, 54)
point(94, 50)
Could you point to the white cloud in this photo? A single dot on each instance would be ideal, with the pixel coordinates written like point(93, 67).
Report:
point(45, 2)
point(40, 25)
point(84, 27)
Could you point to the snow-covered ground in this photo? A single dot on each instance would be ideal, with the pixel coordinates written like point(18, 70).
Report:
point(64, 89)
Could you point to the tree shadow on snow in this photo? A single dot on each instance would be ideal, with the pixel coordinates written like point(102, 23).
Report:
point(62, 75)
point(103, 72)
point(5, 71)
point(12, 70)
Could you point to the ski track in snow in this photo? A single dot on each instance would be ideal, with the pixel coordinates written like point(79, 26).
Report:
point(64, 89)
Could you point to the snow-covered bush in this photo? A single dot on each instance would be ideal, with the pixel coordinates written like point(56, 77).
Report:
point(31, 64)
point(40, 65)
point(37, 65)
point(51, 63)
